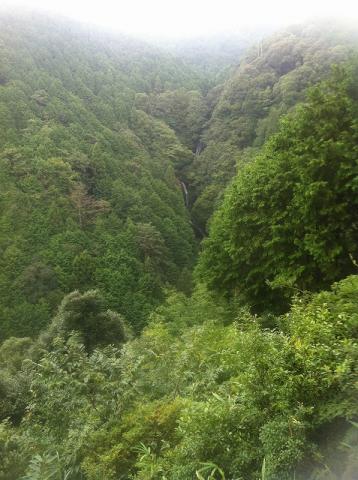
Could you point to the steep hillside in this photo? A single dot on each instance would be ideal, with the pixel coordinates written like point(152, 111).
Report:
point(89, 194)
point(271, 79)
point(115, 362)
point(289, 221)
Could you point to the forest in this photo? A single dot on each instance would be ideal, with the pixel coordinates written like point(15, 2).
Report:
point(178, 255)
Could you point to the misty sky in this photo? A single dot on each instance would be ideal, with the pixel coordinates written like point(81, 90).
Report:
point(185, 18)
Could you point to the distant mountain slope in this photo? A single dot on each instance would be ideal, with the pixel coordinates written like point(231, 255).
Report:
point(270, 80)
point(89, 195)
point(214, 54)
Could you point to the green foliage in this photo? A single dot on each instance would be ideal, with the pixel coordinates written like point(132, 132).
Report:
point(12, 459)
point(97, 136)
point(288, 221)
point(241, 394)
point(82, 169)
point(184, 395)
point(14, 383)
point(213, 470)
point(184, 111)
point(271, 79)
point(13, 351)
point(87, 315)
point(46, 467)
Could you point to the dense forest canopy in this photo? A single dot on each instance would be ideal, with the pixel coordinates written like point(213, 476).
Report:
point(89, 191)
point(131, 349)
point(289, 219)
point(271, 79)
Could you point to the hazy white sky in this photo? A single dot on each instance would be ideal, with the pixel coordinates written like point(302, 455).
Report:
point(192, 17)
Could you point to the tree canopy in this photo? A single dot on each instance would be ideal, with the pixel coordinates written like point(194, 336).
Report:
point(289, 219)
point(118, 359)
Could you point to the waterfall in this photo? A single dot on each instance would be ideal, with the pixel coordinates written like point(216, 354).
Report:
point(199, 148)
point(186, 193)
